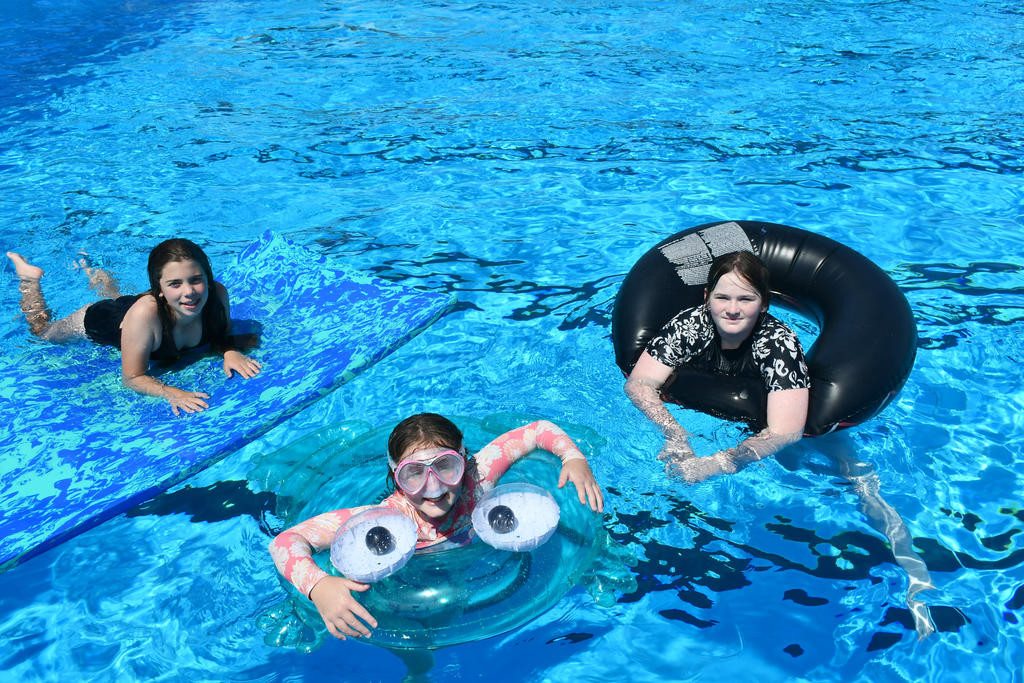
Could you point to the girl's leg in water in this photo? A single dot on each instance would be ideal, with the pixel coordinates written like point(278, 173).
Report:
point(418, 664)
point(37, 313)
point(33, 305)
point(886, 519)
point(100, 281)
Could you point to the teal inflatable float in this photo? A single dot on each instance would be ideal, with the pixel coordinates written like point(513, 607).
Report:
point(445, 597)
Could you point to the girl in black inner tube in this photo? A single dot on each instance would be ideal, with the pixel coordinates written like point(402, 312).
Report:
point(731, 333)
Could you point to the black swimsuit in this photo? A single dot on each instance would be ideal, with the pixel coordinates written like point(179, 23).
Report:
point(103, 326)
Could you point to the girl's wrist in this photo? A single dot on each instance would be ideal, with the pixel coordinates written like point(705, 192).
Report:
point(316, 582)
point(147, 385)
point(677, 434)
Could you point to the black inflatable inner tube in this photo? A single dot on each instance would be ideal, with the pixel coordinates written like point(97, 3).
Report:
point(867, 340)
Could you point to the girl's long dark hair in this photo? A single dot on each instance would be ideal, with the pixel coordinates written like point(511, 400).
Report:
point(214, 317)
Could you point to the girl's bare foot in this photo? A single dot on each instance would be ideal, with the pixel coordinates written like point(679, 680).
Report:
point(24, 269)
point(37, 314)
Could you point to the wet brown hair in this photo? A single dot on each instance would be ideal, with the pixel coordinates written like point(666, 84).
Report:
point(747, 266)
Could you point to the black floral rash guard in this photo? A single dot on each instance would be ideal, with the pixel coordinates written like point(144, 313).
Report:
point(772, 352)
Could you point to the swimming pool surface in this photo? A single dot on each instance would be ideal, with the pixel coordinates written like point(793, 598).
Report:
point(522, 156)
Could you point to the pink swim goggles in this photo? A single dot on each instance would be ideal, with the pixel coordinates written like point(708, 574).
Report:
point(412, 476)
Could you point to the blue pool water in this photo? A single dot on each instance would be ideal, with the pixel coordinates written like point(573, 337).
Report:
point(522, 156)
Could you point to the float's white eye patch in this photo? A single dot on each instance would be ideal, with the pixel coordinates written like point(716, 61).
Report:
point(517, 517)
point(373, 544)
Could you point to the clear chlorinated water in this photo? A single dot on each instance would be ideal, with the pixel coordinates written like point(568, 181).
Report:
point(523, 156)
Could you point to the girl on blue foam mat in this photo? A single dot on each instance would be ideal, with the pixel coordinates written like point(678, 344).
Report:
point(176, 315)
point(437, 488)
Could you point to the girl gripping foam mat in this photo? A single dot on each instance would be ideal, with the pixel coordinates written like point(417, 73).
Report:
point(78, 448)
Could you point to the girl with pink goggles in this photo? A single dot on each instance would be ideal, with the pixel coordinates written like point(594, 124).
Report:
point(413, 474)
point(423, 476)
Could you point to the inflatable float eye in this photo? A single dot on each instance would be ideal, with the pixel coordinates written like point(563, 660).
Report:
point(380, 541)
point(502, 519)
point(516, 517)
point(373, 544)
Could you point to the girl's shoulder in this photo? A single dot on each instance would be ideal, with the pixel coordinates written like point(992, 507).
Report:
point(145, 300)
point(398, 502)
point(692, 323)
point(773, 338)
point(689, 333)
point(697, 314)
point(144, 309)
point(773, 327)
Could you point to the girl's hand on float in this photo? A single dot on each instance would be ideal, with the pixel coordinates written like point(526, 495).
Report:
point(578, 472)
point(240, 363)
point(189, 401)
point(339, 610)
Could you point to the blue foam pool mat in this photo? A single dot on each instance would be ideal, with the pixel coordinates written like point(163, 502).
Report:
point(77, 448)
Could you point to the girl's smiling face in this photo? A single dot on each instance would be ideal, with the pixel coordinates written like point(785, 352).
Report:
point(437, 498)
point(735, 308)
point(183, 285)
